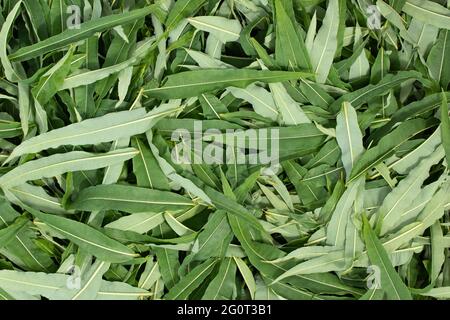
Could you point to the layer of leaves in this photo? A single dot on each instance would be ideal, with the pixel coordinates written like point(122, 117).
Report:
point(96, 204)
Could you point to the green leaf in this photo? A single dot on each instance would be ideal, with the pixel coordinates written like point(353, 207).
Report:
point(52, 286)
point(182, 9)
point(129, 199)
point(7, 234)
point(289, 110)
point(193, 83)
point(138, 222)
point(247, 275)
point(225, 30)
point(146, 168)
point(428, 12)
point(325, 43)
point(386, 146)
point(364, 95)
point(169, 265)
point(90, 285)
point(87, 238)
point(398, 201)
point(60, 163)
point(107, 128)
point(391, 282)
point(9, 70)
point(51, 81)
point(348, 136)
point(439, 293)
point(437, 62)
point(445, 128)
point(10, 130)
point(186, 285)
point(86, 30)
point(222, 286)
point(290, 51)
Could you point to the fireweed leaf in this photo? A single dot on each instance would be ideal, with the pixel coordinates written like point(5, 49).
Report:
point(290, 49)
point(390, 280)
point(325, 43)
point(86, 30)
point(102, 129)
point(225, 30)
point(219, 150)
point(87, 237)
point(61, 163)
point(136, 199)
point(348, 136)
point(193, 83)
point(428, 12)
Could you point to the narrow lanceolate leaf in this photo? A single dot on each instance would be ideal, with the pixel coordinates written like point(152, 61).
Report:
point(193, 83)
point(120, 291)
point(58, 11)
point(182, 9)
point(60, 163)
point(360, 67)
point(261, 100)
point(85, 31)
point(439, 293)
point(51, 286)
point(91, 284)
point(55, 286)
point(185, 286)
point(212, 106)
point(445, 128)
point(428, 12)
point(80, 79)
point(363, 95)
point(38, 198)
point(333, 261)
point(225, 30)
point(399, 200)
point(146, 168)
point(259, 133)
point(437, 62)
point(222, 202)
point(406, 163)
point(222, 286)
point(438, 250)
point(6, 28)
point(86, 237)
point(394, 18)
point(335, 234)
point(431, 102)
point(290, 111)
point(214, 239)
point(51, 81)
point(110, 127)
point(130, 199)
point(10, 129)
point(391, 282)
point(247, 275)
point(431, 212)
point(290, 51)
point(348, 136)
point(7, 234)
point(169, 265)
point(138, 222)
point(325, 43)
point(386, 146)
point(150, 275)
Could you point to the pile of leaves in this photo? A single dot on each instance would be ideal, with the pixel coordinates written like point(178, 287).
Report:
point(95, 205)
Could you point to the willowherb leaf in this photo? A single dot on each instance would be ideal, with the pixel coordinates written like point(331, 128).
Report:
point(224, 150)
